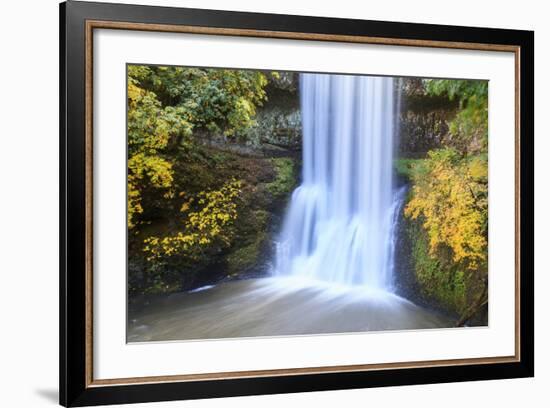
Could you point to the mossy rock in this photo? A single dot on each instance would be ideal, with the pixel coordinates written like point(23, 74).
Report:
point(443, 282)
point(285, 179)
point(247, 257)
point(249, 243)
point(266, 181)
point(440, 280)
point(251, 223)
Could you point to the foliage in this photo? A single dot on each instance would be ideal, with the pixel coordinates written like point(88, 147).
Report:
point(204, 169)
point(219, 100)
point(448, 202)
point(150, 125)
point(404, 166)
point(461, 89)
point(207, 218)
point(150, 128)
point(183, 201)
point(166, 105)
point(158, 173)
point(450, 195)
point(469, 129)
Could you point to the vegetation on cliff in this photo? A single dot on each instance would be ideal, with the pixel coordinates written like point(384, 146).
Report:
point(448, 204)
point(197, 212)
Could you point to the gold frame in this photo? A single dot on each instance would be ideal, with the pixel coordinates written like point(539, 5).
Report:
point(100, 24)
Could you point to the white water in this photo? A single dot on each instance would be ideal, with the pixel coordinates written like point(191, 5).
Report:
point(274, 307)
point(339, 225)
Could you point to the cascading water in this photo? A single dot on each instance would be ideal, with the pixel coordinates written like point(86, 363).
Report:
point(339, 225)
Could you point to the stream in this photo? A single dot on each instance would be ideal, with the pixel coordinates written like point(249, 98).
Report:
point(274, 307)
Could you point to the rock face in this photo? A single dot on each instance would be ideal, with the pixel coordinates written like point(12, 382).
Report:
point(277, 137)
point(266, 159)
point(412, 264)
point(439, 283)
point(285, 81)
point(267, 183)
point(422, 119)
point(405, 282)
point(278, 121)
point(423, 126)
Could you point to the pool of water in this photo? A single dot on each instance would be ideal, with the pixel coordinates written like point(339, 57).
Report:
point(274, 307)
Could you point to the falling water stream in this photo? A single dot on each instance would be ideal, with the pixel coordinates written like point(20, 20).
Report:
point(339, 224)
point(334, 261)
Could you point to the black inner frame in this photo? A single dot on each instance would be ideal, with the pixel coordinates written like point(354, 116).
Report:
point(73, 390)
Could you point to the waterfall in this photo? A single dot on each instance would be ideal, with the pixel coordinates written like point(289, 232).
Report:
point(339, 224)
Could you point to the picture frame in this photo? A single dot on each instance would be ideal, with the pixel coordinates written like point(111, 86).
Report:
point(79, 21)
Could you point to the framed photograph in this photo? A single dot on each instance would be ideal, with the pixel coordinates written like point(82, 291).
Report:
point(256, 203)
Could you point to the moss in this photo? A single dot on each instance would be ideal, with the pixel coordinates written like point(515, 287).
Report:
point(261, 219)
point(266, 181)
point(440, 280)
point(249, 243)
point(284, 180)
point(404, 167)
point(245, 258)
